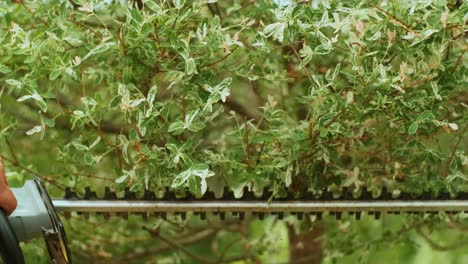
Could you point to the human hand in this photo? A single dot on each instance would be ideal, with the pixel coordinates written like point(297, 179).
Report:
point(7, 198)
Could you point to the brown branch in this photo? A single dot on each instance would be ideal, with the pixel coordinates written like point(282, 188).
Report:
point(13, 154)
point(214, 9)
point(403, 24)
point(420, 81)
point(454, 150)
point(240, 109)
point(105, 126)
point(220, 60)
point(34, 173)
point(186, 241)
point(434, 245)
point(386, 238)
point(458, 62)
point(32, 13)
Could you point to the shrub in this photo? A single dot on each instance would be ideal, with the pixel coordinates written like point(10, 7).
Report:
point(288, 95)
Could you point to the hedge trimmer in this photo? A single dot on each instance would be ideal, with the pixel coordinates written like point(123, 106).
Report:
point(37, 213)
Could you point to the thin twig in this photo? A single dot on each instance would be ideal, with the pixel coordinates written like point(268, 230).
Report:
point(454, 150)
point(13, 154)
point(434, 245)
point(458, 62)
point(403, 24)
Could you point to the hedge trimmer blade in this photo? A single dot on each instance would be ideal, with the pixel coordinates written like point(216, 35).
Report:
point(307, 203)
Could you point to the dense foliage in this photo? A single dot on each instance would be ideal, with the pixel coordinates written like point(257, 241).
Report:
point(289, 95)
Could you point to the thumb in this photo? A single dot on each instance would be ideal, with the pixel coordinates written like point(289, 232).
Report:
point(7, 199)
point(3, 180)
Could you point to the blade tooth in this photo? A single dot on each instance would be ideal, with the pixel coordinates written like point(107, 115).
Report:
point(326, 195)
point(162, 215)
point(266, 194)
point(377, 215)
point(84, 214)
point(222, 216)
point(300, 215)
point(290, 196)
point(384, 194)
point(358, 215)
point(247, 195)
point(426, 195)
point(109, 195)
point(89, 195)
point(348, 194)
point(228, 194)
point(129, 195)
point(149, 195)
point(123, 215)
point(307, 196)
point(241, 215)
point(169, 195)
point(318, 215)
point(183, 215)
point(69, 194)
point(208, 196)
point(202, 215)
point(444, 196)
point(404, 196)
point(186, 195)
point(462, 196)
point(338, 215)
point(280, 215)
point(366, 194)
point(259, 215)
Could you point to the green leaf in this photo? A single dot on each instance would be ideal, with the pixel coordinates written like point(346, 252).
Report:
point(153, 6)
point(306, 54)
point(176, 128)
point(13, 83)
point(425, 116)
point(37, 98)
point(190, 66)
point(121, 179)
point(4, 69)
point(152, 94)
point(34, 130)
point(195, 127)
point(181, 178)
point(276, 30)
point(54, 75)
point(440, 3)
point(99, 49)
point(413, 128)
point(179, 3)
point(115, 102)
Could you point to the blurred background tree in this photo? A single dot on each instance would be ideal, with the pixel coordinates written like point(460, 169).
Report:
point(291, 96)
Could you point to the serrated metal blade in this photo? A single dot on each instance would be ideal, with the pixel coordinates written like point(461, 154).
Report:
point(298, 206)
